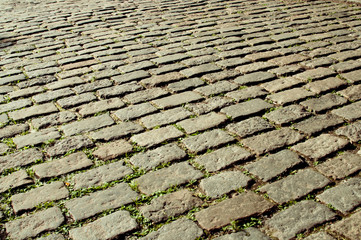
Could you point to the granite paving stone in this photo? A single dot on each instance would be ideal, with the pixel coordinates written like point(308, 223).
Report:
point(34, 138)
point(21, 158)
point(298, 218)
point(52, 95)
point(73, 101)
point(12, 130)
point(289, 96)
point(247, 108)
point(33, 111)
point(145, 95)
point(353, 76)
point(165, 117)
point(135, 111)
point(287, 114)
point(254, 78)
point(349, 227)
point(202, 122)
point(352, 131)
point(249, 126)
point(112, 150)
point(350, 112)
point(67, 144)
point(324, 102)
point(216, 88)
point(26, 92)
point(156, 136)
point(246, 93)
point(247, 234)
point(318, 123)
point(177, 99)
point(324, 85)
point(116, 131)
point(315, 74)
point(319, 236)
point(53, 119)
point(156, 80)
point(118, 90)
point(54, 236)
point(352, 93)
point(14, 180)
point(208, 105)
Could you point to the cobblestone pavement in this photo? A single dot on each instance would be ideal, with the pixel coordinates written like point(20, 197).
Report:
point(169, 119)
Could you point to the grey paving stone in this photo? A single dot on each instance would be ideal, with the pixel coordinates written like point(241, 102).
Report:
point(31, 225)
point(69, 82)
point(164, 178)
point(62, 166)
point(202, 122)
point(273, 165)
point(200, 69)
point(4, 148)
point(170, 205)
point(4, 119)
point(42, 72)
point(350, 112)
point(273, 140)
point(346, 66)
point(222, 158)
point(250, 233)
point(207, 140)
point(53, 119)
point(289, 96)
point(51, 95)
point(135, 66)
point(321, 146)
point(340, 166)
point(245, 205)
point(12, 130)
point(317, 123)
point(26, 92)
point(11, 79)
point(298, 218)
point(223, 183)
point(247, 93)
point(97, 202)
point(254, 78)
point(108, 227)
point(132, 76)
point(349, 227)
point(145, 95)
point(255, 67)
point(345, 196)
point(88, 124)
point(156, 136)
point(352, 93)
point(112, 150)
point(352, 131)
point(14, 180)
point(100, 175)
point(319, 236)
point(208, 105)
point(99, 106)
point(315, 74)
point(67, 144)
point(218, 76)
point(325, 85)
point(324, 102)
point(92, 86)
point(116, 131)
point(118, 90)
point(353, 77)
point(33, 111)
point(295, 186)
point(233, 61)
point(286, 71)
point(245, 109)
point(54, 236)
point(49, 192)
point(19, 159)
point(135, 111)
point(287, 114)
point(170, 58)
point(180, 229)
point(216, 88)
point(153, 158)
point(185, 84)
point(35, 138)
point(289, 59)
point(76, 100)
point(165, 117)
point(248, 126)
point(162, 79)
point(177, 99)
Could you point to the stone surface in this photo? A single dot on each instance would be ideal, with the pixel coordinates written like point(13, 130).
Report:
point(53, 119)
point(298, 218)
point(352, 93)
point(135, 111)
point(68, 144)
point(249, 126)
point(35, 138)
point(349, 227)
point(247, 234)
point(289, 96)
point(319, 236)
point(108, 227)
point(165, 117)
point(208, 105)
point(216, 88)
point(12, 130)
point(19, 159)
point(33, 111)
point(116, 131)
point(202, 122)
point(245, 109)
point(177, 99)
point(156, 136)
point(54, 236)
point(245, 205)
point(170, 205)
point(295, 186)
point(96, 202)
point(318, 123)
point(287, 114)
point(14, 180)
point(350, 112)
point(352, 131)
point(162, 179)
point(321, 146)
point(100, 106)
point(254, 78)
point(324, 102)
point(113, 150)
point(32, 225)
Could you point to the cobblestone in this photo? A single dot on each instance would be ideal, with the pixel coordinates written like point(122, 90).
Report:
point(289, 96)
point(324, 102)
point(349, 227)
point(165, 117)
point(12, 130)
point(116, 131)
point(156, 136)
point(352, 131)
point(249, 126)
point(35, 138)
point(177, 99)
point(112, 150)
point(14, 180)
point(245, 109)
point(287, 114)
point(135, 111)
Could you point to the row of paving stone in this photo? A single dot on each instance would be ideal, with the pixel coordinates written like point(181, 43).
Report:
point(180, 120)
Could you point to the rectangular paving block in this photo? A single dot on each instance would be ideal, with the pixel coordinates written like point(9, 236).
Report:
point(289, 96)
point(321, 146)
point(53, 119)
point(273, 140)
point(118, 90)
point(145, 95)
point(164, 178)
point(247, 108)
point(112, 150)
point(350, 112)
point(298, 218)
point(156, 80)
point(32, 225)
point(254, 78)
point(12, 130)
point(177, 99)
point(156, 136)
point(247, 93)
point(324, 102)
point(100, 106)
point(35, 138)
point(67, 144)
point(216, 88)
point(165, 117)
point(19, 159)
point(352, 131)
point(33, 111)
point(116, 131)
point(287, 114)
point(200, 69)
point(97, 202)
point(249, 126)
point(135, 111)
point(318, 123)
point(132, 76)
point(88, 124)
point(208, 105)
point(51, 95)
point(349, 227)
point(202, 122)
point(62, 166)
point(76, 100)
point(47, 193)
point(247, 234)
point(245, 205)
point(14, 180)
point(295, 186)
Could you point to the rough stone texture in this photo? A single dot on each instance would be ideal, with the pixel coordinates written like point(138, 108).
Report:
point(254, 78)
point(201, 69)
point(273, 165)
point(291, 95)
point(170, 205)
point(100, 106)
point(325, 85)
point(222, 183)
point(62, 166)
point(113, 150)
point(68, 144)
point(35, 138)
point(165, 117)
point(324, 102)
point(287, 114)
point(108, 227)
point(207, 140)
point(352, 131)
point(345, 196)
point(19, 159)
point(156, 136)
point(319, 236)
point(33, 111)
point(349, 227)
point(295, 186)
point(32, 225)
point(86, 125)
point(245, 109)
point(340, 166)
point(273, 140)
point(53, 119)
point(298, 218)
point(317, 123)
point(208, 105)
point(216, 88)
point(146, 95)
point(12, 130)
point(247, 234)
point(185, 84)
point(14, 180)
point(54, 236)
point(76, 100)
point(249, 126)
point(97, 202)
point(352, 93)
point(180, 229)
point(177, 99)
point(315, 74)
point(321, 146)
point(239, 207)
point(13, 105)
point(116, 131)
point(135, 111)
point(247, 93)
point(353, 76)
point(202, 122)
point(350, 112)
point(162, 179)
point(100, 175)
point(280, 84)
point(49, 192)
point(153, 158)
